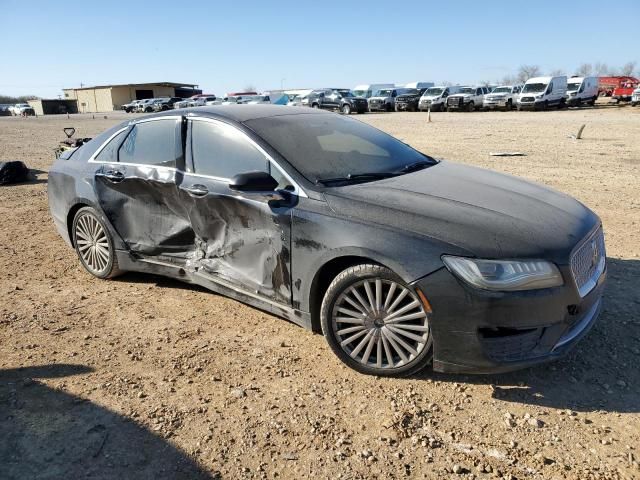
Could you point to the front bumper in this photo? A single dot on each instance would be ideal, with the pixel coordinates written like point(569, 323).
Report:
point(502, 103)
point(375, 105)
point(476, 331)
point(402, 106)
point(535, 105)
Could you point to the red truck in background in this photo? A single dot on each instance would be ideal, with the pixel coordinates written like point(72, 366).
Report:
point(618, 88)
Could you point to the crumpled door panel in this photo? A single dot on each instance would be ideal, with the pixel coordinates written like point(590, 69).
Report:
point(242, 241)
point(144, 208)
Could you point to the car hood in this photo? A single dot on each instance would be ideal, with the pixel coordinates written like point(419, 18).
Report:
point(497, 95)
point(379, 98)
point(407, 97)
point(463, 95)
point(476, 211)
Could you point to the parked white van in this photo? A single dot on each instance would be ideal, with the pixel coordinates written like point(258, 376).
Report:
point(366, 91)
point(582, 90)
point(435, 98)
point(419, 85)
point(540, 93)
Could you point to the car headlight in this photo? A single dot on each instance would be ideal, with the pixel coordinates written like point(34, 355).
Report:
point(504, 275)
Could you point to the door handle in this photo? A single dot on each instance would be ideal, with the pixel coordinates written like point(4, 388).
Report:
point(114, 176)
point(196, 190)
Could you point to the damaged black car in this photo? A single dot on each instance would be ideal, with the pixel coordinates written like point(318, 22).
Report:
point(400, 260)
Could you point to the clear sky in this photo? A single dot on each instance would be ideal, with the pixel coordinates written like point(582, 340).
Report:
point(225, 46)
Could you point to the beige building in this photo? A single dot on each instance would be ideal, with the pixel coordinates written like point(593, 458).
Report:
point(106, 98)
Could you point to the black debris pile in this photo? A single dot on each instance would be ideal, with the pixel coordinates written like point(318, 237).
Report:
point(13, 172)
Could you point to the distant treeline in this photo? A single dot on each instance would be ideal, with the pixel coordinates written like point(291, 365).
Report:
point(21, 99)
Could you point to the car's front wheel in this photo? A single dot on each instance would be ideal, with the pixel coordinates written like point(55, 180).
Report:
point(375, 323)
point(346, 109)
point(94, 244)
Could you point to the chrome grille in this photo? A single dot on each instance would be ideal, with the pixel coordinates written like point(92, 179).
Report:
point(588, 262)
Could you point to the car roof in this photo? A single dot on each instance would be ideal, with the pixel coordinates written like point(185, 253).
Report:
point(243, 113)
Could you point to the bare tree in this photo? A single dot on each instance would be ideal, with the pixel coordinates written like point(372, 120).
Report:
point(558, 72)
point(19, 99)
point(525, 72)
point(250, 88)
point(584, 70)
point(628, 68)
point(601, 69)
point(509, 80)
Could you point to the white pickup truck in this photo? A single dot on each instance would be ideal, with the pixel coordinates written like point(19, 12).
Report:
point(468, 98)
point(504, 96)
point(21, 109)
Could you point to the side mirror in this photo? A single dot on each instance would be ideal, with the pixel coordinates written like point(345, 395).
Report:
point(260, 185)
point(253, 182)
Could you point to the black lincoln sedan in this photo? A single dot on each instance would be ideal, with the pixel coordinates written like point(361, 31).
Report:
point(397, 258)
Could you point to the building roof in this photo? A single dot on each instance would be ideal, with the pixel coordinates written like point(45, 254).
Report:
point(162, 84)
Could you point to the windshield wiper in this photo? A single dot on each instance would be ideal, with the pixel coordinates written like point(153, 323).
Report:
point(356, 177)
point(415, 166)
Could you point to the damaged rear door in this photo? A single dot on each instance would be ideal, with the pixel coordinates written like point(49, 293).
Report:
point(136, 187)
point(240, 240)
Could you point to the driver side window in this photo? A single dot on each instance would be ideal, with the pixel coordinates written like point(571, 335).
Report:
point(220, 150)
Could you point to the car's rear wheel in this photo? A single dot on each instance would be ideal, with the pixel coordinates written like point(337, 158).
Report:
point(375, 323)
point(346, 109)
point(94, 244)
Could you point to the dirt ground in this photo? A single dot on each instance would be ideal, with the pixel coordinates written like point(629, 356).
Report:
point(142, 377)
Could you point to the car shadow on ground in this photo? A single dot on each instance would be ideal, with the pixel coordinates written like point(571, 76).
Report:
point(48, 433)
point(160, 281)
point(601, 373)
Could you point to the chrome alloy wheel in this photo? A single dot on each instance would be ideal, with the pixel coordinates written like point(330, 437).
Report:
point(380, 323)
point(92, 243)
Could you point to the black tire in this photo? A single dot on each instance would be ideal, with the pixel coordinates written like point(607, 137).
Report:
point(471, 106)
point(341, 284)
point(111, 268)
point(346, 109)
point(519, 108)
point(315, 105)
point(509, 106)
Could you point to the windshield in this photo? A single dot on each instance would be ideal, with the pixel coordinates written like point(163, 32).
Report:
point(433, 92)
point(573, 86)
point(467, 90)
point(360, 93)
point(501, 90)
point(534, 87)
point(327, 146)
point(411, 91)
point(386, 92)
point(345, 93)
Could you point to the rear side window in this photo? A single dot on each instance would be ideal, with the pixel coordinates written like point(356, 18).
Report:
point(221, 150)
point(110, 151)
point(157, 142)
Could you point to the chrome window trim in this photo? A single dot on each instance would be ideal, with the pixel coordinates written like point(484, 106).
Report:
point(92, 158)
point(297, 190)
